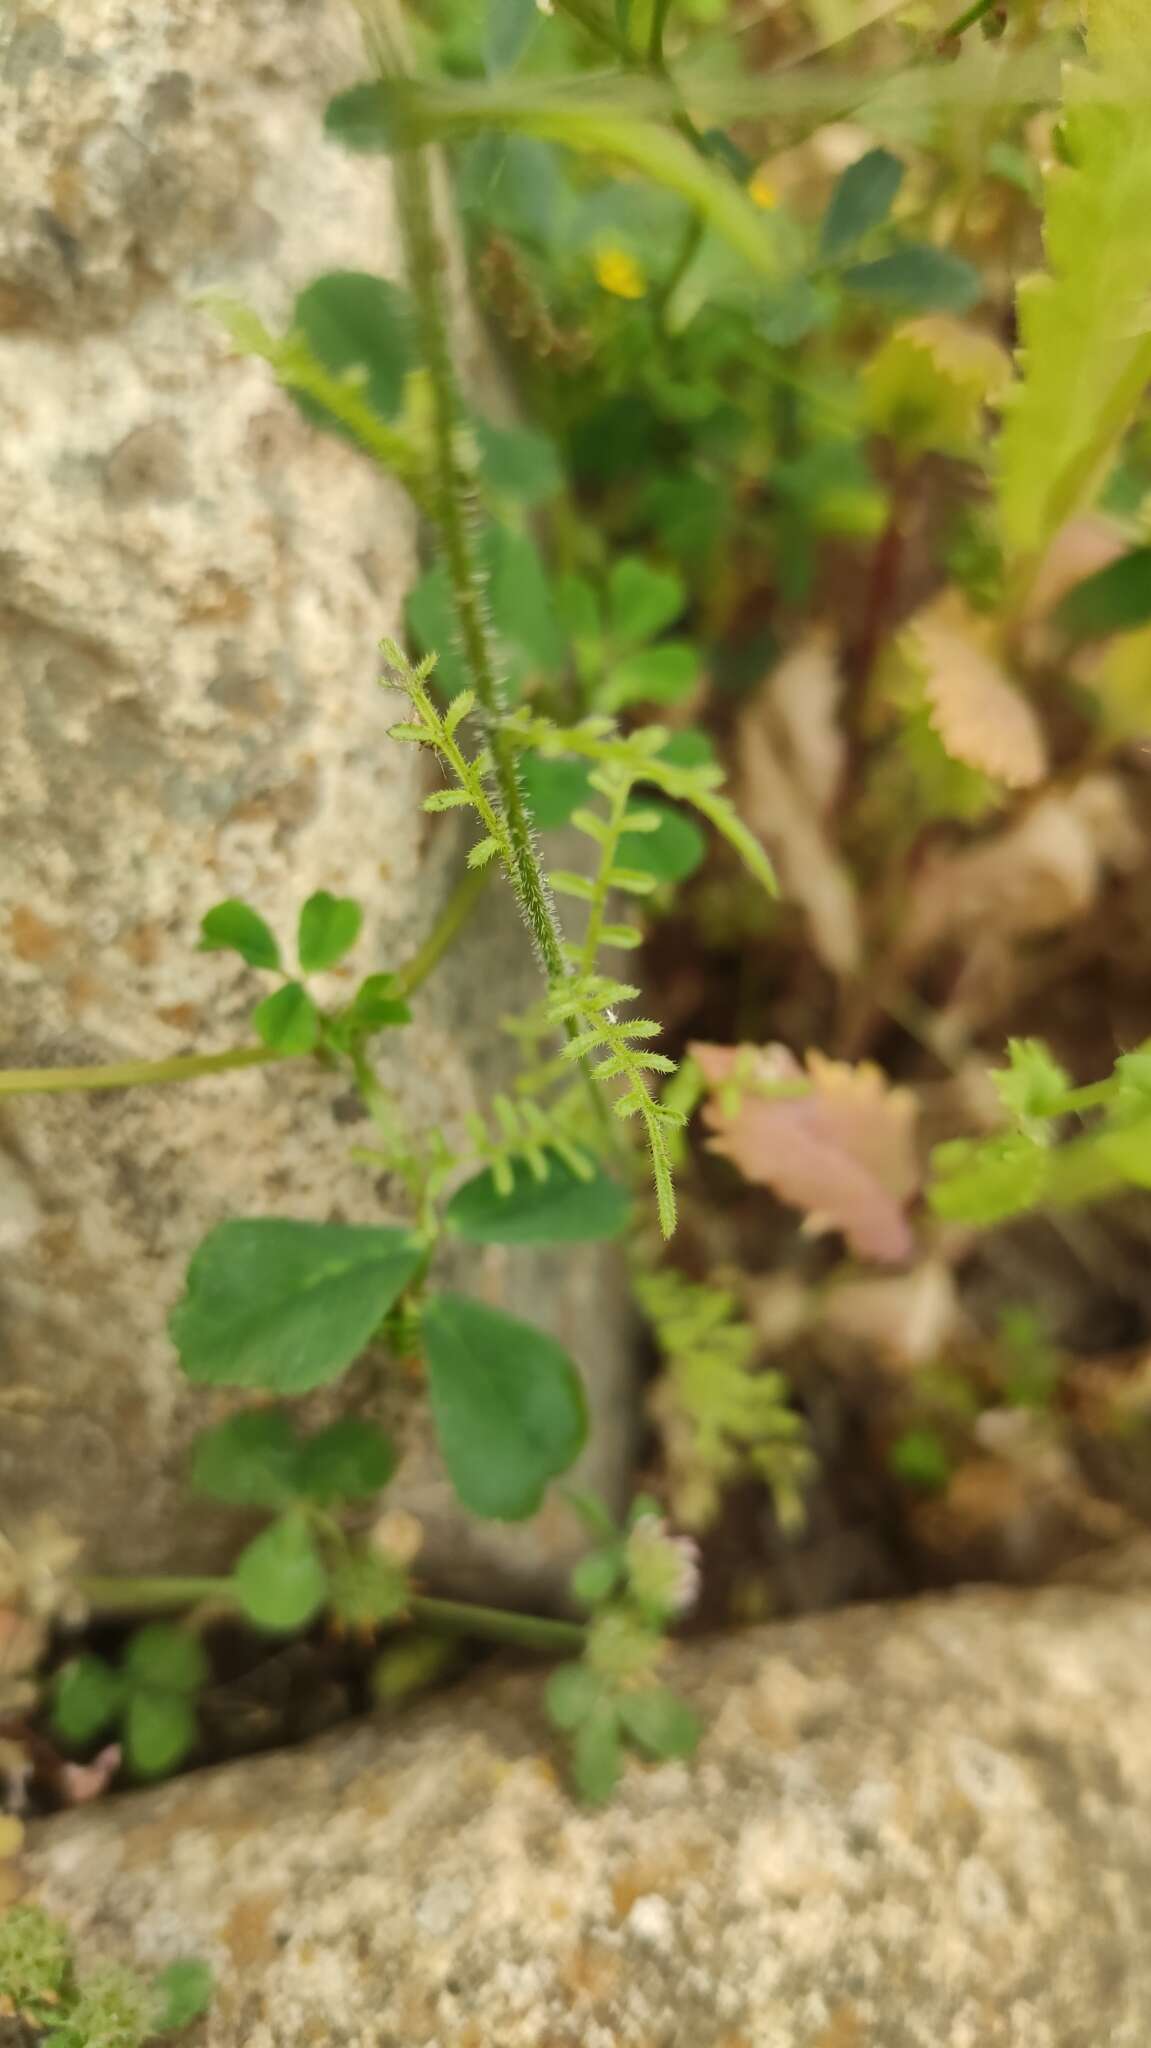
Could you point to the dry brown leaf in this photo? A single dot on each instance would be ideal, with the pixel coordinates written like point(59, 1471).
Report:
point(907, 1320)
point(981, 718)
point(842, 1151)
point(782, 789)
point(805, 693)
point(81, 1783)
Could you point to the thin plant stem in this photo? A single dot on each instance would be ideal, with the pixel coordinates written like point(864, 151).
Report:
point(452, 918)
point(114, 1596)
point(967, 19)
point(137, 1073)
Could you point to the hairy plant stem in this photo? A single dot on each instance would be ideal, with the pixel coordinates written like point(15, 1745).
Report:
point(452, 490)
point(455, 1617)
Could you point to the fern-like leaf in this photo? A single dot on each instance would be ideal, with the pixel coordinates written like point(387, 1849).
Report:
point(719, 1419)
point(1085, 325)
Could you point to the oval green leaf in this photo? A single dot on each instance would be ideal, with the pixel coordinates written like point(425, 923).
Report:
point(234, 927)
point(279, 1580)
point(329, 927)
point(159, 1730)
point(86, 1697)
point(250, 1461)
point(285, 1305)
point(350, 1460)
point(508, 1405)
point(563, 1209)
point(353, 321)
point(862, 199)
point(166, 1658)
point(288, 1021)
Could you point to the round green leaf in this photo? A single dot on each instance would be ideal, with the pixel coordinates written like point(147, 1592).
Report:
point(86, 1698)
point(352, 321)
point(166, 1659)
point(288, 1021)
point(350, 1460)
point(554, 789)
point(655, 675)
point(571, 1694)
point(641, 601)
point(233, 927)
point(286, 1305)
point(183, 1994)
point(659, 1722)
point(250, 1461)
point(280, 1581)
point(508, 1405)
point(563, 1209)
point(159, 1730)
point(595, 1578)
point(672, 852)
point(329, 927)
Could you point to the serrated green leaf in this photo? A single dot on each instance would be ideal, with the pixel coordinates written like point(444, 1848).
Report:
point(252, 1460)
point(86, 1697)
point(166, 1658)
point(287, 1305)
point(662, 1724)
point(989, 1181)
point(483, 853)
point(349, 1460)
point(183, 1994)
point(863, 197)
point(1033, 1083)
point(508, 1405)
point(354, 322)
point(329, 927)
point(234, 927)
point(1085, 348)
point(571, 1694)
point(159, 1730)
point(562, 1209)
point(288, 1020)
point(918, 277)
point(1128, 1150)
point(280, 1580)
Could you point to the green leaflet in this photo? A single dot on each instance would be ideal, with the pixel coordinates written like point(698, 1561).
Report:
point(1085, 345)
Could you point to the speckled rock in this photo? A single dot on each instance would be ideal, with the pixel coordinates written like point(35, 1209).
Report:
point(908, 1827)
point(192, 586)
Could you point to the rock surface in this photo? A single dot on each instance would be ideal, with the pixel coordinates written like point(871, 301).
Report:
point(192, 586)
point(907, 1827)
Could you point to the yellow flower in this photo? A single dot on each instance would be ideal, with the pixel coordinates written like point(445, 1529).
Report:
point(618, 272)
point(761, 191)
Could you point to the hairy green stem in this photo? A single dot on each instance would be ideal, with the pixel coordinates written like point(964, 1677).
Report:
point(456, 1617)
point(137, 1073)
point(452, 490)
